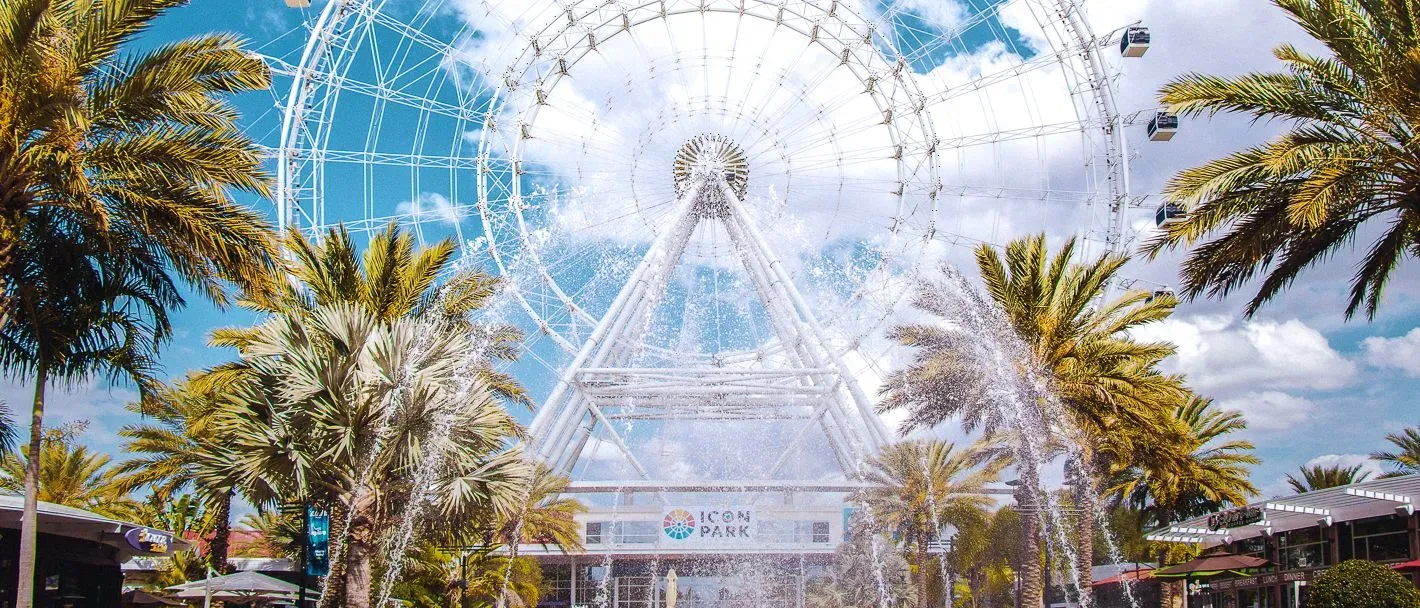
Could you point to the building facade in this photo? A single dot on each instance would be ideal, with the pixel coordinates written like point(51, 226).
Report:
point(1302, 535)
point(724, 556)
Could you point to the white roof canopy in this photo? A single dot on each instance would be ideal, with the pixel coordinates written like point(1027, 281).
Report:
point(1346, 503)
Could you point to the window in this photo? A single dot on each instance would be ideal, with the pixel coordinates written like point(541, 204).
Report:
point(635, 532)
point(1255, 546)
point(1304, 548)
point(594, 533)
point(1381, 539)
point(633, 592)
point(556, 584)
point(592, 588)
point(796, 532)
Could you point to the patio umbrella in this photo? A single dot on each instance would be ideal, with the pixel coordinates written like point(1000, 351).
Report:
point(139, 597)
point(245, 582)
point(1410, 566)
point(1211, 565)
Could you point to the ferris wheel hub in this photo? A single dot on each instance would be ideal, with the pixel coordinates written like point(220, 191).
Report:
point(707, 158)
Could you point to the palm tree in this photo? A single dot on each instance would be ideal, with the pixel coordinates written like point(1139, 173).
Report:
point(1406, 459)
point(339, 406)
point(116, 172)
point(1321, 477)
point(1348, 160)
point(1193, 470)
point(922, 486)
point(175, 448)
point(391, 280)
point(1108, 383)
point(548, 517)
point(858, 568)
point(71, 475)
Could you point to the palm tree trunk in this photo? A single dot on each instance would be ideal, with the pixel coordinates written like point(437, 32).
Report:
point(1032, 571)
point(1084, 499)
point(29, 529)
point(921, 600)
point(222, 535)
point(360, 553)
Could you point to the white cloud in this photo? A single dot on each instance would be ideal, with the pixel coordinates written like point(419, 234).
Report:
point(432, 206)
point(1401, 353)
point(1270, 410)
point(1219, 353)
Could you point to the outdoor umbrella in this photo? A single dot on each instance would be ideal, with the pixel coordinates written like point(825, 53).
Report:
point(139, 597)
point(1410, 566)
point(242, 586)
point(1211, 565)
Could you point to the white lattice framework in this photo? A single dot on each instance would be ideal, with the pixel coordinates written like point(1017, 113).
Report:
point(392, 58)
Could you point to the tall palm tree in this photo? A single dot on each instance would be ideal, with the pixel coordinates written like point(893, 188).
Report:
point(1347, 161)
point(124, 164)
point(71, 475)
point(1321, 477)
point(1108, 383)
point(175, 447)
point(1405, 460)
point(338, 406)
point(923, 486)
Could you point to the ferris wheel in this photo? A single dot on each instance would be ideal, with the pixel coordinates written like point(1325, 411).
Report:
point(554, 140)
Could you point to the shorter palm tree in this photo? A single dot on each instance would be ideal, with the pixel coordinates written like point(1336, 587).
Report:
point(923, 486)
point(340, 407)
point(1405, 460)
point(72, 475)
point(1321, 477)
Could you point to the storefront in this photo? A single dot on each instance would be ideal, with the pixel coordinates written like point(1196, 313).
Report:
point(78, 557)
point(1302, 535)
point(724, 556)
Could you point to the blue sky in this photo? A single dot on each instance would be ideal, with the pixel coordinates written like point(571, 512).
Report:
point(1313, 385)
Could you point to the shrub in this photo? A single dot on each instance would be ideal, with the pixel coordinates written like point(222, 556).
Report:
point(1362, 584)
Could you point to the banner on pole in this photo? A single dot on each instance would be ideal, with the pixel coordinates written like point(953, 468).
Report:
point(317, 542)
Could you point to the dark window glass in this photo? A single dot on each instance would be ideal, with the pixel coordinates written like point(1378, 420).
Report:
point(594, 532)
point(821, 533)
point(1379, 525)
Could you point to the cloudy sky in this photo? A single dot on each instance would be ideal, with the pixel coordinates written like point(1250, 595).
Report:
point(1315, 388)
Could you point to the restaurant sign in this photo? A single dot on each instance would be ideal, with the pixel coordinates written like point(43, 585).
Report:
point(1265, 580)
point(149, 540)
point(1234, 518)
point(718, 525)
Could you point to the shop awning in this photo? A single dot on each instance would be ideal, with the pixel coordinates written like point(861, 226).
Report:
point(1370, 498)
point(1132, 576)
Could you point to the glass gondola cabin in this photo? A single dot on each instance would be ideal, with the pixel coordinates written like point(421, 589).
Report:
point(1135, 42)
point(1168, 214)
point(1159, 294)
point(1163, 126)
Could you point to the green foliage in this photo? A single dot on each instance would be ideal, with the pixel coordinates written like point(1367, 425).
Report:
point(1405, 459)
point(1321, 477)
point(852, 580)
point(1362, 584)
point(72, 475)
point(1346, 167)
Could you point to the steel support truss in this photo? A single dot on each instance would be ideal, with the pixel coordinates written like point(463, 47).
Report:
point(803, 380)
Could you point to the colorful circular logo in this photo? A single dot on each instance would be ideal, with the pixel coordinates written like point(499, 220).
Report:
point(679, 524)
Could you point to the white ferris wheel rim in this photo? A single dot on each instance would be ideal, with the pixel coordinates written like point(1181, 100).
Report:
point(319, 81)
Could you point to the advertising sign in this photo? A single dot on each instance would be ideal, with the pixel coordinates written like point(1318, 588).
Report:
point(149, 540)
point(1235, 518)
point(317, 542)
point(708, 525)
